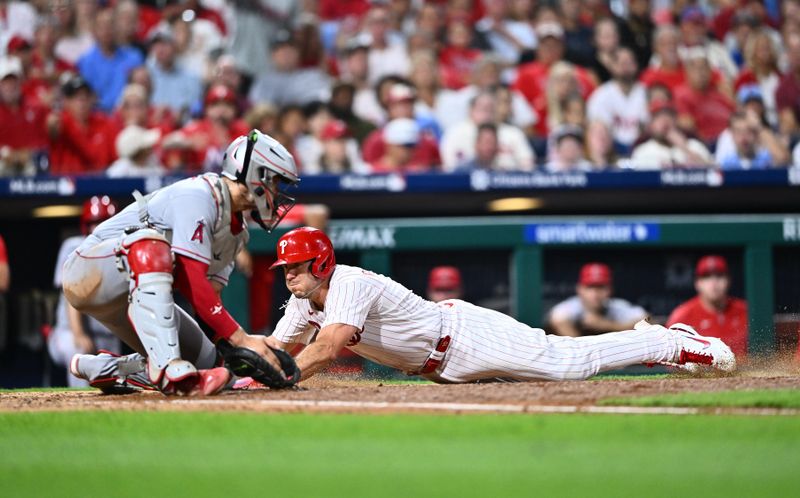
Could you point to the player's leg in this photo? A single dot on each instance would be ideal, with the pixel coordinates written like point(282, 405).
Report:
point(150, 325)
point(493, 345)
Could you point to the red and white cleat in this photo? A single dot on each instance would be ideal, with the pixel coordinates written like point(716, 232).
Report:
point(697, 350)
point(247, 384)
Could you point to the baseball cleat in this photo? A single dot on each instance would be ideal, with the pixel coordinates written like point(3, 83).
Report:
point(701, 350)
point(111, 373)
point(211, 381)
point(182, 378)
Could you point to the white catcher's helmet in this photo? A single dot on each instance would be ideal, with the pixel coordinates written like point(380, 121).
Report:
point(262, 163)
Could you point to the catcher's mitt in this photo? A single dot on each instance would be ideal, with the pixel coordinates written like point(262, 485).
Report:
point(245, 362)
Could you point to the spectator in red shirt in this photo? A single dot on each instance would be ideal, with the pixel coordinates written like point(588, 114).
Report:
point(665, 66)
point(713, 312)
point(81, 140)
point(532, 77)
point(457, 57)
point(207, 138)
point(400, 104)
point(702, 108)
point(21, 122)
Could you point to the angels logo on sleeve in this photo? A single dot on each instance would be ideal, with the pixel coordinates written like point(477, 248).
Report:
point(198, 232)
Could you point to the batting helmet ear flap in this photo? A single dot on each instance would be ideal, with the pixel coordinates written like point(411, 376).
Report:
point(323, 265)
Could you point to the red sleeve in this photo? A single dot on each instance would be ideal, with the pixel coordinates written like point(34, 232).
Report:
point(3, 253)
point(192, 282)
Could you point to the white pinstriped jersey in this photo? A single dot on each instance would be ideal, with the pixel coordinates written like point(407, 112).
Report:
point(400, 329)
point(397, 328)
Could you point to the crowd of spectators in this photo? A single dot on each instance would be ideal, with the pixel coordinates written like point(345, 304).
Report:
point(126, 88)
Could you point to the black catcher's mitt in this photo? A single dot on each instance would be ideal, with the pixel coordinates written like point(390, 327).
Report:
point(245, 362)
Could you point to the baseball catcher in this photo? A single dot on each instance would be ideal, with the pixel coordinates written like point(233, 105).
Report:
point(183, 236)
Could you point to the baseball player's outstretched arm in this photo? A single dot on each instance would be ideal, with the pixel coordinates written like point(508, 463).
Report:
point(321, 353)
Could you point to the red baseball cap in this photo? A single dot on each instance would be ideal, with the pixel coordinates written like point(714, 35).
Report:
point(16, 43)
point(595, 274)
point(220, 93)
point(334, 129)
point(711, 265)
point(444, 278)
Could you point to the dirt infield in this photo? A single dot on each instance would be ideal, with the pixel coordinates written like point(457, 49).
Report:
point(329, 395)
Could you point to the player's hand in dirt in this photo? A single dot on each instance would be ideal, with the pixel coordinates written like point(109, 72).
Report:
point(257, 343)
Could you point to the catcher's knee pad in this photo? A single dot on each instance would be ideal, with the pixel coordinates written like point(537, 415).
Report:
point(146, 256)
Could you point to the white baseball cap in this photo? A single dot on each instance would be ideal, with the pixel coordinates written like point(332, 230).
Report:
point(135, 138)
point(10, 66)
point(401, 131)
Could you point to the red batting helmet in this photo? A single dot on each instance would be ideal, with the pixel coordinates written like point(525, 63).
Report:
point(97, 210)
point(306, 244)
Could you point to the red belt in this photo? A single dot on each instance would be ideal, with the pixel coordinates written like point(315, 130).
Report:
point(436, 357)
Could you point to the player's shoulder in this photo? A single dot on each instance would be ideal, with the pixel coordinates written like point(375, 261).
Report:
point(345, 274)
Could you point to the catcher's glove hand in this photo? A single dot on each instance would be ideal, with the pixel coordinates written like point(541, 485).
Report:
point(244, 362)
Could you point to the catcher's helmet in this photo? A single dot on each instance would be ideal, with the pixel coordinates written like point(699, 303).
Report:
point(307, 244)
point(261, 162)
point(97, 210)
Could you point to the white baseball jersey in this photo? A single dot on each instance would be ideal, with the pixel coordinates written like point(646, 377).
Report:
point(624, 114)
point(400, 329)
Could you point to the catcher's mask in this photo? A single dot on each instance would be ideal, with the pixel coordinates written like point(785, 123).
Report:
point(264, 165)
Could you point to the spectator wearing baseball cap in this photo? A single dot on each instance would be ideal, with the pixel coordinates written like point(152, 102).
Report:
point(286, 82)
point(592, 310)
point(400, 101)
point(668, 146)
point(81, 139)
point(135, 147)
point(401, 136)
point(339, 154)
point(713, 312)
point(444, 282)
point(22, 121)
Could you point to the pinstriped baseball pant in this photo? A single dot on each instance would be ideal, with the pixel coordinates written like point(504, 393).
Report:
point(487, 344)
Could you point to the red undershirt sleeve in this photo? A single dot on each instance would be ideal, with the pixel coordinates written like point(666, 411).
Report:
point(192, 282)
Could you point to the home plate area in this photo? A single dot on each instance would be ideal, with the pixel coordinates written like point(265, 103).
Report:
point(356, 396)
